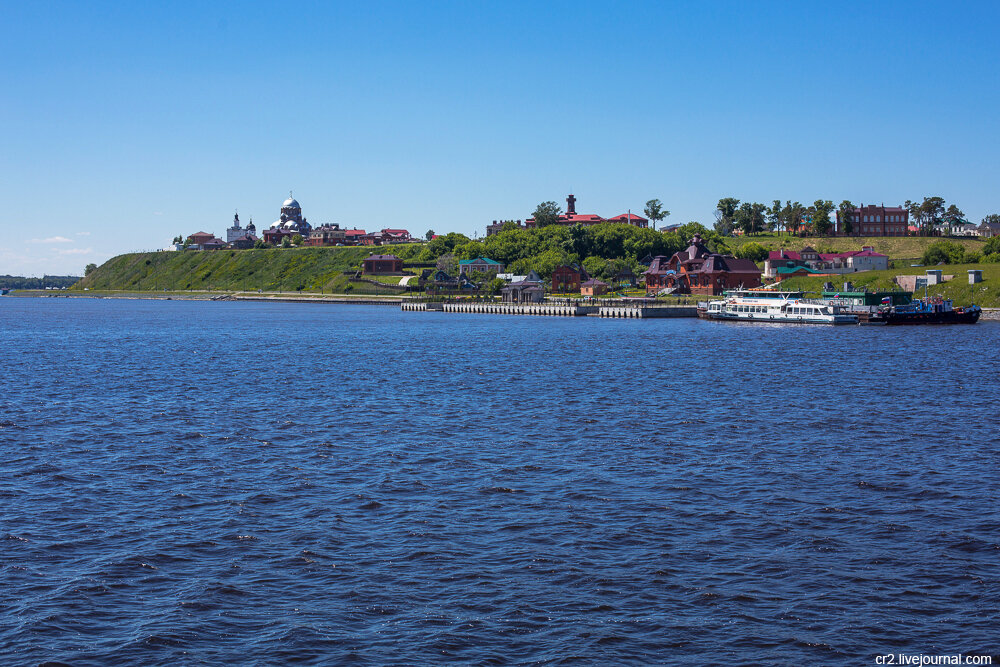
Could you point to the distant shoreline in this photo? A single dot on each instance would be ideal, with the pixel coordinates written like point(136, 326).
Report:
point(208, 296)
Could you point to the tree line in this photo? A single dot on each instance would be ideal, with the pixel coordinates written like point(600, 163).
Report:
point(603, 250)
point(22, 282)
point(818, 219)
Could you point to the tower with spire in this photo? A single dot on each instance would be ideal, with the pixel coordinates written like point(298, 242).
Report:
point(235, 232)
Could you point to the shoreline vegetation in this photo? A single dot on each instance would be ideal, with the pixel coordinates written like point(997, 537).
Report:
point(314, 273)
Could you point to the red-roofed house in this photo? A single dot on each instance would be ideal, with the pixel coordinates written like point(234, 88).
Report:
point(571, 217)
point(851, 261)
point(396, 236)
point(630, 219)
point(353, 236)
point(205, 241)
point(697, 270)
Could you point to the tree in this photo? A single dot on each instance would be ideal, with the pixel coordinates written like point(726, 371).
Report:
point(725, 212)
point(297, 239)
point(286, 242)
point(259, 243)
point(547, 213)
point(793, 215)
point(495, 285)
point(916, 217)
point(758, 217)
point(448, 263)
point(774, 216)
point(821, 224)
point(654, 211)
point(752, 251)
point(929, 213)
point(953, 216)
point(741, 218)
point(992, 219)
point(750, 218)
point(429, 235)
point(845, 216)
point(90, 269)
point(578, 241)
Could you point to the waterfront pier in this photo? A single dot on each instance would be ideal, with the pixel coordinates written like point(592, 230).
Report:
point(553, 309)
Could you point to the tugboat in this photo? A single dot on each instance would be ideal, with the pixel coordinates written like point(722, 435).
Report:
point(933, 310)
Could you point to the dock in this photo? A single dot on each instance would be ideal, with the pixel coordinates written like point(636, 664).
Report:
point(553, 310)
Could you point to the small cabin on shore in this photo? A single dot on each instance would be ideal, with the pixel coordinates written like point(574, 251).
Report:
point(382, 265)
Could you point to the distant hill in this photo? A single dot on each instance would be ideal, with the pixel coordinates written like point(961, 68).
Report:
point(273, 269)
point(21, 282)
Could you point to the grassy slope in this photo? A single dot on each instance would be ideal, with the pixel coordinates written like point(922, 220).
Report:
point(985, 294)
point(902, 247)
point(312, 269)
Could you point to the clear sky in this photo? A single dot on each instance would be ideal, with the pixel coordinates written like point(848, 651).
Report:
point(126, 124)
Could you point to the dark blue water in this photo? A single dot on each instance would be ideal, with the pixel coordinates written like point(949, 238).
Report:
point(204, 483)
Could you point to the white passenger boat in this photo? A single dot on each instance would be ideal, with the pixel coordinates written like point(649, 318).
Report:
point(773, 306)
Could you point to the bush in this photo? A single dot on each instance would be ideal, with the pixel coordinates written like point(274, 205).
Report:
point(755, 252)
point(992, 258)
point(992, 246)
point(944, 252)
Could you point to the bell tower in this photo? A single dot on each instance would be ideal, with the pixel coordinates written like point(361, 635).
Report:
point(570, 205)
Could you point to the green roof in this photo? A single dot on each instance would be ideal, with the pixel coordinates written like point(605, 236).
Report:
point(794, 269)
point(479, 259)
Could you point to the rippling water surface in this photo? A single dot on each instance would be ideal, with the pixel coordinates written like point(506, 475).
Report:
point(199, 483)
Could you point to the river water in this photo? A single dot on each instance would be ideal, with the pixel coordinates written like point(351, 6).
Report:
point(256, 483)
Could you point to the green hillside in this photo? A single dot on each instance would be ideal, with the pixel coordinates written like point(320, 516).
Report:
point(284, 269)
point(985, 294)
point(896, 247)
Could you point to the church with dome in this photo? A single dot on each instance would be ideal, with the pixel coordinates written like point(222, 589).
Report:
point(289, 223)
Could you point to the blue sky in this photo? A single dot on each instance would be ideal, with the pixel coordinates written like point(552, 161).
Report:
point(125, 124)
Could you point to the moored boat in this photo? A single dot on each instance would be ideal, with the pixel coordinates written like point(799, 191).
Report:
point(933, 310)
point(774, 307)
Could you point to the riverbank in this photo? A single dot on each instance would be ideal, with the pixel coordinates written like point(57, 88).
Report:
point(291, 297)
point(413, 304)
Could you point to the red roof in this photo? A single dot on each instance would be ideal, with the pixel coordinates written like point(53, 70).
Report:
point(625, 217)
point(581, 217)
point(793, 255)
point(354, 232)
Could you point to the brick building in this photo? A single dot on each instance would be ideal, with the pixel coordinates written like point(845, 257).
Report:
point(697, 270)
point(875, 220)
point(382, 264)
point(567, 278)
